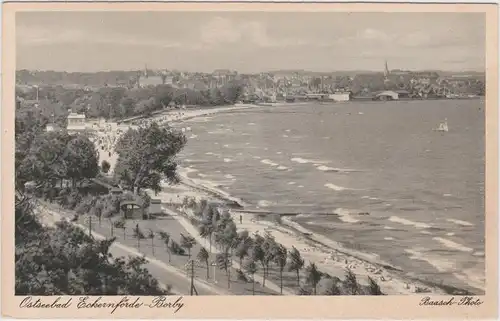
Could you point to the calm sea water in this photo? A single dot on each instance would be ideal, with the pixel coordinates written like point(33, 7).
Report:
point(423, 190)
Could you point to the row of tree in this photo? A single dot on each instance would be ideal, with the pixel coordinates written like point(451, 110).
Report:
point(120, 102)
point(260, 253)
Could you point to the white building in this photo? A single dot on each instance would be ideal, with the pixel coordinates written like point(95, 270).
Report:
point(76, 123)
point(388, 95)
point(340, 96)
point(51, 127)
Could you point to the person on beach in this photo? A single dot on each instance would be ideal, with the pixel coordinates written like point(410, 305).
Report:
point(241, 219)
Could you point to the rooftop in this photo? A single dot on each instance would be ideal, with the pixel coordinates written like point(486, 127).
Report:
point(75, 115)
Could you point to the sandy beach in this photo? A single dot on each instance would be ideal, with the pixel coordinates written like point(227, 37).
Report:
point(329, 256)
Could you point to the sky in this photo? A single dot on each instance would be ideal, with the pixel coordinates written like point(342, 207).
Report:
point(249, 42)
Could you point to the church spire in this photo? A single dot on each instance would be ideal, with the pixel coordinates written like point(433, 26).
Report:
point(386, 70)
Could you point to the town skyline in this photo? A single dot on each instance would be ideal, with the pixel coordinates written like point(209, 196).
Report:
point(352, 71)
point(250, 42)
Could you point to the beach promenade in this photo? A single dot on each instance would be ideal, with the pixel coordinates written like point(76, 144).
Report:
point(168, 268)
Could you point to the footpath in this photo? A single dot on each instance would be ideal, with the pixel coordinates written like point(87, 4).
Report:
point(168, 268)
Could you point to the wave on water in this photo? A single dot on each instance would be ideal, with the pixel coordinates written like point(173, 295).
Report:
point(336, 187)
point(473, 277)
point(324, 168)
point(268, 162)
point(345, 216)
point(460, 222)
point(264, 203)
point(307, 161)
point(207, 186)
point(273, 164)
point(217, 132)
point(227, 160)
point(187, 170)
point(453, 245)
point(327, 169)
point(199, 119)
point(396, 219)
point(439, 263)
point(193, 136)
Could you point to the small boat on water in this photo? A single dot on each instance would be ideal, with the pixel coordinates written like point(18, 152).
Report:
point(443, 127)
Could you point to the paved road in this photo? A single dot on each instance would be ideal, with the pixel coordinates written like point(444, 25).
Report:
point(179, 281)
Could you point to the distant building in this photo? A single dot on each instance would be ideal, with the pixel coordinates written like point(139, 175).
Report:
point(387, 95)
point(148, 79)
point(155, 207)
point(340, 96)
point(193, 85)
point(402, 94)
point(76, 123)
point(386, 71)
point(223, 76)
point(52, 127)
point(27, 103)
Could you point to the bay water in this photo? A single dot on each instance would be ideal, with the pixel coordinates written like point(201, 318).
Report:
point(373, 176)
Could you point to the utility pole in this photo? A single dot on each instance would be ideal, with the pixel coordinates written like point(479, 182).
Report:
point(90, 225)
point(190, 268)
point(192, 277)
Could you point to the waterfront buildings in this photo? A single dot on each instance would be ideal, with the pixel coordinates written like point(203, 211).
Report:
point(340, 96)
point(387, 95)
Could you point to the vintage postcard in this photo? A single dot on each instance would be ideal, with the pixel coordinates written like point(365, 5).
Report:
point(249, 160)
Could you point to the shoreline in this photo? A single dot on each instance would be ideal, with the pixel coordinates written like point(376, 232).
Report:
point(330, 256)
